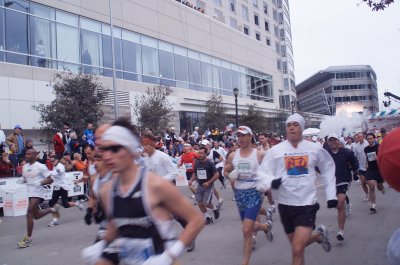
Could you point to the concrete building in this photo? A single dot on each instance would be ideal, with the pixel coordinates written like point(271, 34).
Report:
point(195, 48)
point(350, 88)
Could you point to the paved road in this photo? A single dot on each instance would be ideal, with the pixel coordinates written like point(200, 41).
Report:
point(220, 243)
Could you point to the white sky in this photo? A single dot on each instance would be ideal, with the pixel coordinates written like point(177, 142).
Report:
point(341, 32)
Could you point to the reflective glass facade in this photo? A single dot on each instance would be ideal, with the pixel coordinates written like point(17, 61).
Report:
point(40, 36)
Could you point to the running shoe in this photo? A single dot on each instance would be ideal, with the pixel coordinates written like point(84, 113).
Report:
point(272, 209)
point(268, 215)
point(366, 199)
point(268, 234)
point(192, 197)
point(373, 208)
point(191, 246)
point(209, 220)
point(348, 209)
point(25, 242)
point(254, 241)
point(340, 235)
point(325, 244)
point(79, 206)
point(53, 223)
point(216, 214)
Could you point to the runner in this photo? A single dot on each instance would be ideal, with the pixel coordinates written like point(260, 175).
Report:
point(188, 159)
point(345, 162)
point(60, 189)
point(358, 149)
point(36, 175)
point(373, 176)
point(139, 205)
point(205, 174)
point(219, 157)
point(242, 166)
point(289, 168)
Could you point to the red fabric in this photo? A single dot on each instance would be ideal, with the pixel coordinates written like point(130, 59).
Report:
point(189, 158)
point(389, 159)
point(5, 169)
point(58, 144)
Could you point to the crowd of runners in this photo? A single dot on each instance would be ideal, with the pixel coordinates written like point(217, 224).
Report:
point(134, 200)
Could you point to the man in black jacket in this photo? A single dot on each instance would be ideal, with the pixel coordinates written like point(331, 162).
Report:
point(345, 162)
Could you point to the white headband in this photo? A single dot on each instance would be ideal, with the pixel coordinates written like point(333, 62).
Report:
point(296, 118)
point(122, 136)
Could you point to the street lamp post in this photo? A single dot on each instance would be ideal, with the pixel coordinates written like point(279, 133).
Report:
point(116, 112)
point(292, 104)
point(236, 93)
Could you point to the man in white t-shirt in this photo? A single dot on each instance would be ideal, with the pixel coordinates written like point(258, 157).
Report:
point(60, 189)
point(358, 149)
point(36, 176)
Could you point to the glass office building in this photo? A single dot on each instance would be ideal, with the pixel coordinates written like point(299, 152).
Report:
point(50, 35)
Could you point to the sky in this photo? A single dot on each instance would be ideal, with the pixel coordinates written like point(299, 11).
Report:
point(346, 32)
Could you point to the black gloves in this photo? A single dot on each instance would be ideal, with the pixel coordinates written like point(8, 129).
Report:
point(88, 216)
point(276, 183)
point(332, 203)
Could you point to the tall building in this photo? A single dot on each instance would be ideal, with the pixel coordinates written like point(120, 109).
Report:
point(196, 48)
point(350, 88)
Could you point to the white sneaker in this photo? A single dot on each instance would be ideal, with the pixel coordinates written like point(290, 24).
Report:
point(220, 202)
point(272, 208)
point(366, 199)
point(79, 206)
point(325, 244)
point(53, 223)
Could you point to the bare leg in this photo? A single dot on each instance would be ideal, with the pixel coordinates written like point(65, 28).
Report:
point(371, 185)
point(34, 213)
point(248, 228)
point(364, 184)
point(341, 210)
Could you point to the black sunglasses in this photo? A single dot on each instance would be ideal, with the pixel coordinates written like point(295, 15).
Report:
point(112, 148)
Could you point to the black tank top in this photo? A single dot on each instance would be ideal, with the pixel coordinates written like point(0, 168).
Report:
point(129, 214)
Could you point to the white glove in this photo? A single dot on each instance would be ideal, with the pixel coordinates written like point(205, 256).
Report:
point(92, 254)
point(163, 259)
point(233, 175)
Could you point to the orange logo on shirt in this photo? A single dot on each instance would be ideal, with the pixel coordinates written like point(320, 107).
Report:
point(296, 165)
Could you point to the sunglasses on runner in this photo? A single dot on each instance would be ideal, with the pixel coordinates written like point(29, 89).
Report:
point(112, 148)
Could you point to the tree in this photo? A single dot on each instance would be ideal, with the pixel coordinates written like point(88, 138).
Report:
point(276, 123)
point(215, 114)
point(378, 5)
point(153, 109)
point(79, 99)
point(253, 118)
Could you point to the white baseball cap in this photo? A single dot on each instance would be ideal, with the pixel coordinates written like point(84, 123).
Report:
point(244, 130)
point(333, 135)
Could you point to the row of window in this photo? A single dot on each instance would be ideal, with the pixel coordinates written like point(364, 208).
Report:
point(55, 39)
point(354, 87)
point(344, 75)
point(355, 98)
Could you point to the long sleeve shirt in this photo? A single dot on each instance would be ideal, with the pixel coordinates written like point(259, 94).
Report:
point(358, 150)
point(296, 167)
point(345, 162)
point(161, 164)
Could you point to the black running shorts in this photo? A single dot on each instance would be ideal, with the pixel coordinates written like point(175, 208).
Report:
point(293, 216)
point(374, 175)
point(343, 188)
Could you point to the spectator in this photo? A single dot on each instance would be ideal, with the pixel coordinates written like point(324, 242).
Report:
point(67, 162)
point(6, 168)
point(88, 133)
point(59, 147)
point(79, 165)
point(74, 144)
point(28, 145)
point(17, 138)
point(66, 136)
point(13, 156)
point(2, 140)
point(19, 168)
point(196, 134)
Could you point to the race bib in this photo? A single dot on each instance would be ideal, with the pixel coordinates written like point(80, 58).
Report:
point(296, 165)
point(134, 251)
point(244, 170)
point(371, 156)
point(188, 165)
point(201, 174)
